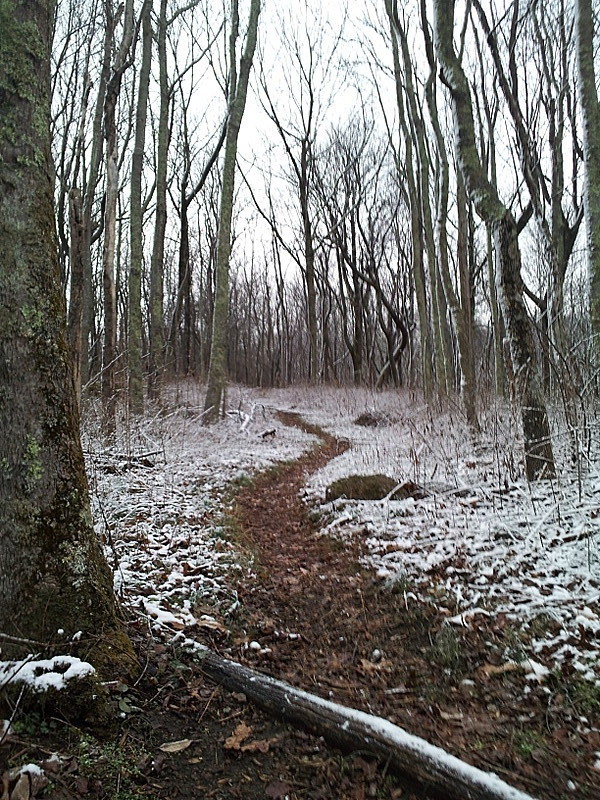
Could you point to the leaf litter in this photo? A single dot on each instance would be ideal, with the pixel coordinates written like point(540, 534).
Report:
point(483, 549)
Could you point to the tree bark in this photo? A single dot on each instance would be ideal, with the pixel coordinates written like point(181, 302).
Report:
point(590, 112)
point(109, 349)
point(53, 575)
point(539, 457)
point(217, 375)
point(136, 250)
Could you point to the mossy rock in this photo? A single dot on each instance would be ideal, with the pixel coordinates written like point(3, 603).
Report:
point(369, 419)
point(373, 487)
point(361, 487)
point(83, 702)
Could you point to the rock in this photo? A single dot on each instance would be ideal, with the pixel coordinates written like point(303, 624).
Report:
point(370, 419)
point(372, 487)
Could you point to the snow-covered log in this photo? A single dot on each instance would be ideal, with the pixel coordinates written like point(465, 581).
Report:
point(434, 768)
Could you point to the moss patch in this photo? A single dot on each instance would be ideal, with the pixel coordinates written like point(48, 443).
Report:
point(373, 487)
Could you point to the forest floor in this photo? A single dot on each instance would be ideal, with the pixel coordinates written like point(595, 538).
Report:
point(311, 610)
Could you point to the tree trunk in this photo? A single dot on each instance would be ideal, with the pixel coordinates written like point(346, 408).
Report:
point(157, 342)
point(460, 306)
point(90, 182)
point(417, 247)
point(76, 294)
point(136, 251)
point(109, 350)
point(217, 375)
point(53, 575)
point(590, 112)
point(539, 458)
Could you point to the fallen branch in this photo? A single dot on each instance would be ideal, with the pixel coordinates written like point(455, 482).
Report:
point(349, 729)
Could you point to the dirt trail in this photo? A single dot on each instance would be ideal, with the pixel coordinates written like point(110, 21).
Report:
point(327, 625)
point(332, 628)
point(327, 621)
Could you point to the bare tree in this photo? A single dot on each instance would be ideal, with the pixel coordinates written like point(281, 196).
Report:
point(238, 88)
point(590, 110)
point(122, 61)
point(136, 241)
point(539, 457)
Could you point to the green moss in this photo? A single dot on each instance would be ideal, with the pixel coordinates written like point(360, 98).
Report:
point(33, 462)
point(34, 320)
point(526, 742)
point(22, 51)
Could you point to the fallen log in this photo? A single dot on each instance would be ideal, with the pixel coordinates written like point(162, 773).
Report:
point(408, 755)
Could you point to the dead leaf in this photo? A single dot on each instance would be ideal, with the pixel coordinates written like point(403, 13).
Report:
point(211, 623)
point(276, 790)
point(369, 667)
point(22, 788)
point(176, 747)
point(259, 745)
point(452, 717)
point(234, 741)
point(499, 669)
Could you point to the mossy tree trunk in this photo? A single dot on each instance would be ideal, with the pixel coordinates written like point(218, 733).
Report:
point(238, 88)
point(53, 575)
point(539, 457)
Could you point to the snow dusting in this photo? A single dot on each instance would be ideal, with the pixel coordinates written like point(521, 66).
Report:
point(43, 674)
point(161, 498)
point(481, 545)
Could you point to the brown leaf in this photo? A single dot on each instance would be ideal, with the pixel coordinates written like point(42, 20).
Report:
point(22, 788)
point(175, 747)
point(369, 667)
point(456, 716)
point(212, 624)
point(499, 669)
point(258, 745)
point(234, 741)
point(276, 790)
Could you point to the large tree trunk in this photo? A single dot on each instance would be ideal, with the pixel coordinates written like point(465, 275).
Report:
point(217, 376)
point(539, 458)
point(52, 572)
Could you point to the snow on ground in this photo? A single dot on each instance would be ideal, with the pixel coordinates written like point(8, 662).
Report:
point(484, 542)
point(160, 497)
